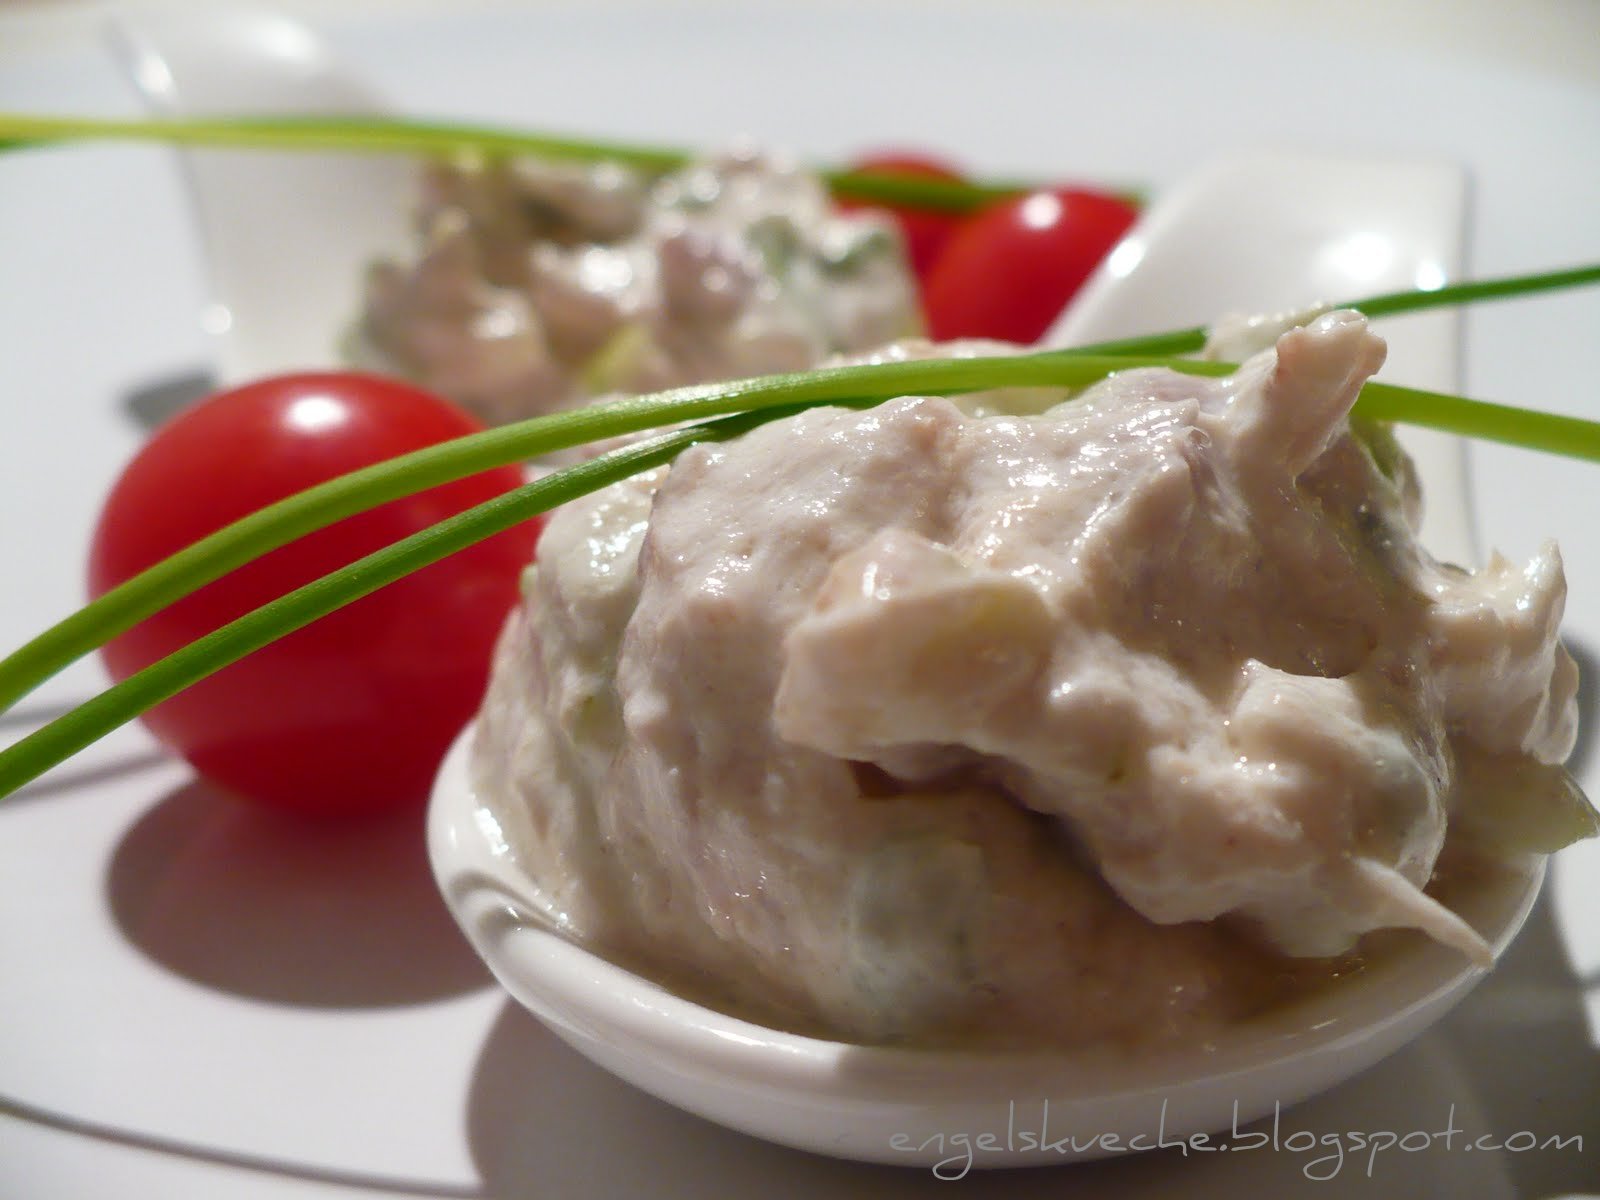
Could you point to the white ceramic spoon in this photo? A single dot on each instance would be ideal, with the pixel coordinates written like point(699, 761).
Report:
point(876, 1104)
point(1256, 233)
point(1277, 232)
point(285, 236)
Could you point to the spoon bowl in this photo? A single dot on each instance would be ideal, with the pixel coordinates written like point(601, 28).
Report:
point(937, 1108)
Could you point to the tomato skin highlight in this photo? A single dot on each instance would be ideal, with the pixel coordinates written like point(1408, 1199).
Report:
point(352, 714)
point(1010, 270)
point(924, 231)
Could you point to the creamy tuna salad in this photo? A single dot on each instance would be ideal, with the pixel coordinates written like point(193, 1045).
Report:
point(538, 285)
point(1114, 720)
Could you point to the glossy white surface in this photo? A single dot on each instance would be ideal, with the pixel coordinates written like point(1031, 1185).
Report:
point(271, 225)
point(1275, 232)
point(904, 1106)
point(216, 1005)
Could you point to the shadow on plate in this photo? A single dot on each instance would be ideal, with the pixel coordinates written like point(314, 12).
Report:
point(67, 781)
point(542, 1116)
point(262, 905)
point(150, 404)
point(1514, 1057)
point(1522, 1047)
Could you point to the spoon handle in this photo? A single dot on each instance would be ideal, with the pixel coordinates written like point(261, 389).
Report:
point(1267, 232)
point(285, 237)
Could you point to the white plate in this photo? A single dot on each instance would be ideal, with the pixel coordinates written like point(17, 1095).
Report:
point(199, 1004)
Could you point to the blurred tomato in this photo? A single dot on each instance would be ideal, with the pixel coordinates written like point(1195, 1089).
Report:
point(925, 230)
point(1010, 270)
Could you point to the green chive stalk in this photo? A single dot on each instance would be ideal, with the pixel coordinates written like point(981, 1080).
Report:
point(438, 139)
point(199, 564)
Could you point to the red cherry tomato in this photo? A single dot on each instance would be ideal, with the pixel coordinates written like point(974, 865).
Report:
point(1011, 269)
point(925, 231)
point(353, 713)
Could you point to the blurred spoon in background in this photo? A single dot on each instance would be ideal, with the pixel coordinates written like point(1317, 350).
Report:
point(286, 237)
